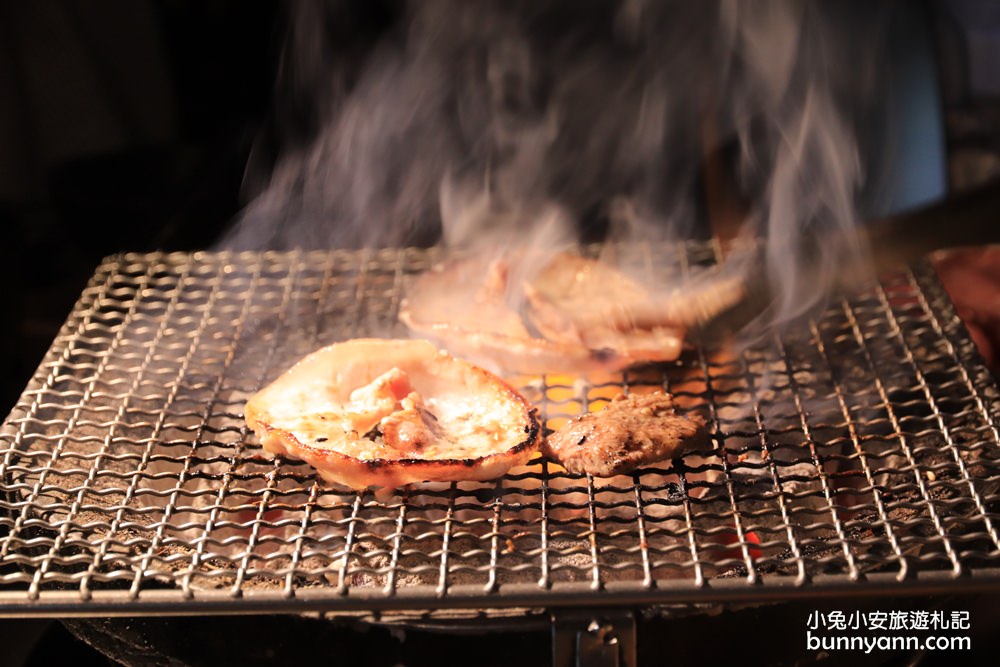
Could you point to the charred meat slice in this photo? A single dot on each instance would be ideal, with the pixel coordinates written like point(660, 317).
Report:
point(632, 431)
point(385, 413)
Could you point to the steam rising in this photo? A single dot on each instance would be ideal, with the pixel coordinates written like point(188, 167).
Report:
point(499, 122)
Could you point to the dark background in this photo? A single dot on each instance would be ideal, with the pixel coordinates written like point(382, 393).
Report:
point(130, 128)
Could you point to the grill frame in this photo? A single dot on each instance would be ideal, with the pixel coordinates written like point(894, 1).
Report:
point(108, 313)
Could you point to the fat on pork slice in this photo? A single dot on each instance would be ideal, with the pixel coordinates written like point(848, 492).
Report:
point(466, 305)
point(463, 304)
point(575, 300)
point(630, 432)
point(385, 413)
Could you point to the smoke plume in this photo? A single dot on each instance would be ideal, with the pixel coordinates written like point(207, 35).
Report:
point(463, 121)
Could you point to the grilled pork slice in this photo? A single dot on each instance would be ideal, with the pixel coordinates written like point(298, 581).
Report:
point(465, 304)
point(578, 300)
point(630, 432)
point(385, 413)
point(472, 306)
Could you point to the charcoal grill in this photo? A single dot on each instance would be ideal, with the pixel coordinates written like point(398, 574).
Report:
point(856, 455)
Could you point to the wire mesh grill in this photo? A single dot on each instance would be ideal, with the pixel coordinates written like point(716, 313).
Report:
point(857, 454)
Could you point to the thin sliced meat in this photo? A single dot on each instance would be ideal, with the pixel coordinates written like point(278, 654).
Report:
point(385, 413)
point(576, 300)
point(630, 432)
point(473, 307)
point(464, 304)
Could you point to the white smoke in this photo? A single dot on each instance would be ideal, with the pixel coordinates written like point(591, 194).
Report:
point(483, 120)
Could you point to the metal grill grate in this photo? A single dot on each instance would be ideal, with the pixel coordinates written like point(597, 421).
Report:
point(854, 456)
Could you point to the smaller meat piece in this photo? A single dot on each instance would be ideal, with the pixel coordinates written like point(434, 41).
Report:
point(632, 431)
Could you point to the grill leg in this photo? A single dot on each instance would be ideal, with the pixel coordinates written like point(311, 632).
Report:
point(593, 638)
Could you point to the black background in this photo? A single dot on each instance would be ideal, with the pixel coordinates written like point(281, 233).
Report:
point(179, 194)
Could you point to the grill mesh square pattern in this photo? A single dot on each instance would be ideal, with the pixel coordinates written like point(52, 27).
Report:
point(858, 453)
